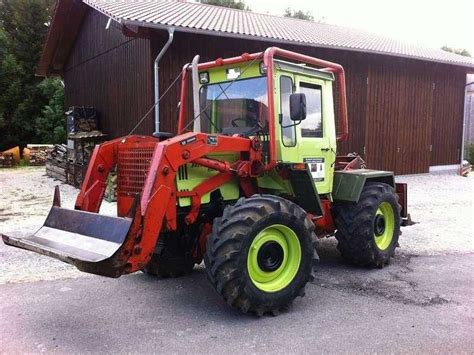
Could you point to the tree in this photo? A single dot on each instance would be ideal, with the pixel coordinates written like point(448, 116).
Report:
point(51, 125)
point(460, 51)
point(22, 31)
point(234, 4)
point(299, 14)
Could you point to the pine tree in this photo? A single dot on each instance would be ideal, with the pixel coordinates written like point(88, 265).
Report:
point(23, 27)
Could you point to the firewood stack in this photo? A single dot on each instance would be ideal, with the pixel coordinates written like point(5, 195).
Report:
point(6, 160)
point(39, 153)
point(56, 164)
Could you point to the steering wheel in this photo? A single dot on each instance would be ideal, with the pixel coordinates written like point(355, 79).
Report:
point(254, 121)
point(244, 131)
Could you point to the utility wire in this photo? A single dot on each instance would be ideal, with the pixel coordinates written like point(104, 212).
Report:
point(156, 103)
point(217, 97)
point(102, 53)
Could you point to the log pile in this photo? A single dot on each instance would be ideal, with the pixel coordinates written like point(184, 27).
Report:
point(56, 163)
point(6, 160)
point(39, 153)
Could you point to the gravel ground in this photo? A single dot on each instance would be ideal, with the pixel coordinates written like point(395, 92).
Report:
point(421, 303)
point(440, 204)
point(27, 195)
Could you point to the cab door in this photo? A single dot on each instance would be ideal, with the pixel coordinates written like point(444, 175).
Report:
point(316, 134)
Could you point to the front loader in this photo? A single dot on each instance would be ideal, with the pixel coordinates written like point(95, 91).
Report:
point(249, 183)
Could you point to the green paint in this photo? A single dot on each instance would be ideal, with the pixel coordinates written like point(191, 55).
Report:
point(348, 185)
point(278, 279)
point(384, 240)
point(196, 174)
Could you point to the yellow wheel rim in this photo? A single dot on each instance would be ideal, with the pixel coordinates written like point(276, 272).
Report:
point(384, 226)
point(274, 258)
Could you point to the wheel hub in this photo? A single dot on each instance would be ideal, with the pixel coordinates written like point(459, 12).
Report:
point(379, 225)
point(270, 256)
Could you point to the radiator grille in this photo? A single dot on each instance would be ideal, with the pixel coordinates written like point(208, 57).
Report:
point(133, 165)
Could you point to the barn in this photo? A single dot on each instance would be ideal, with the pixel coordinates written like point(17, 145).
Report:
point(405, 103)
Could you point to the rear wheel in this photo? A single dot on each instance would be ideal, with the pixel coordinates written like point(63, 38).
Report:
point(261, 254)
point(367, 232)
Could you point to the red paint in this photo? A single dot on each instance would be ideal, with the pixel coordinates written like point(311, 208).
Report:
point(157, 209)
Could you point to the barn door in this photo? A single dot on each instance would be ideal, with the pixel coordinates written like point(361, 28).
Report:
point(398, 126)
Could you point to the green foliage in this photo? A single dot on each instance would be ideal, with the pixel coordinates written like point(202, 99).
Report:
point(23, 27)
point(51, 126)
point(460, 51)
point(299, 14)
point(470, 152)
point(234, 4)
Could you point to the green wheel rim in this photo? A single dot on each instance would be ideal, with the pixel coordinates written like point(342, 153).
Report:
point(276, 240)
point(384, 226)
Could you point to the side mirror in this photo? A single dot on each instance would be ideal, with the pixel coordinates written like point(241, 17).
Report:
point(297, 107)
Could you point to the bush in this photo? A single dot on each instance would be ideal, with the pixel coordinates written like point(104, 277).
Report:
point(470, 152)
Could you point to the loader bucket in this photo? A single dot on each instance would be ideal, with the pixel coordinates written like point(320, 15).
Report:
point(89, 241)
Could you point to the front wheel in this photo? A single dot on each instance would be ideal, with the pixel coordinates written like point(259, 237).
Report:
point(261, 254)
point(368, 231)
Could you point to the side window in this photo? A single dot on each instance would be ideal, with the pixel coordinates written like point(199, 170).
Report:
point(312, 126)
point(288, 133)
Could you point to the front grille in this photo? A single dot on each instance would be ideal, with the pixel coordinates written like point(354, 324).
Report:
point(133, 164)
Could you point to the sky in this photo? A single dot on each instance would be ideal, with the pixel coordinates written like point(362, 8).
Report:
point(430, 23)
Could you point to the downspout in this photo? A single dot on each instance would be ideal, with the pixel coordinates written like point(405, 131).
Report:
point(156, 73)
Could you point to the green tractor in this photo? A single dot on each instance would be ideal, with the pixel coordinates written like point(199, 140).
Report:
point(248, 184)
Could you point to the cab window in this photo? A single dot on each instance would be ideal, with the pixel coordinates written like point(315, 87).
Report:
point(288, 130)
point(312, 126)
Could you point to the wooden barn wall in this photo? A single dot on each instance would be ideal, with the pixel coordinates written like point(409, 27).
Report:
point(185, 46)
point(446, 128)
point(404, 115)
point(414, 116)
point(398, 124)
point(111, 72)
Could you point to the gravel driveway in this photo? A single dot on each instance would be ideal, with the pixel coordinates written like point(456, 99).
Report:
point(420, 303)
point(440, 204)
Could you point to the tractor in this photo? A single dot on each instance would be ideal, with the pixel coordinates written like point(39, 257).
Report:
point(248, 184)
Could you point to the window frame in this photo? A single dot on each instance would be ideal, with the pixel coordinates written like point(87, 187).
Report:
point(224, 83)
point(282, 127)
point(319, 87)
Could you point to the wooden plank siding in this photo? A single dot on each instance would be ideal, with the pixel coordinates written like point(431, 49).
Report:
point(446, 130)
point(405, 114)
point(111, 72)
point(398, 125)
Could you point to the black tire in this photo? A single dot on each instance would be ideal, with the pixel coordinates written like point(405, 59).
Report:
point(170, 260)
point(228, 247)
point(356, 230)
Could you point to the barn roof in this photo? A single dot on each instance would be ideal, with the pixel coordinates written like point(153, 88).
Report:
point(196, 17)
point(207, 19)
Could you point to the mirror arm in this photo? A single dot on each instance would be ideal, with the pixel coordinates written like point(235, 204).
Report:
point(292, 125)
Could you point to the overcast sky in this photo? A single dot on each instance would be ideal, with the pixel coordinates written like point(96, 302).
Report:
point(431, 23)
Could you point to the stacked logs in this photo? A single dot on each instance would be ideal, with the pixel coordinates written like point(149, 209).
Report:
point(56, 163)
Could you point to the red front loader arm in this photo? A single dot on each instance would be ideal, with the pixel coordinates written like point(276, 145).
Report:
point(112, 246)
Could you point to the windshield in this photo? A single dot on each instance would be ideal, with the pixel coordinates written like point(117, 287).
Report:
point(234, 107)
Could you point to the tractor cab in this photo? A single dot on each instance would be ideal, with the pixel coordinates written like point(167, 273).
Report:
point(233, 100)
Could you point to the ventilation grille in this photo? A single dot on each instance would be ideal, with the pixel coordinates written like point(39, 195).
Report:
point(133, 165)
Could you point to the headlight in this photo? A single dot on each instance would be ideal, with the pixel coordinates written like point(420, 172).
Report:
point(204, 77)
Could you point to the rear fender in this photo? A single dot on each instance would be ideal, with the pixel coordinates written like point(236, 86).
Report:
point(348, 184)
